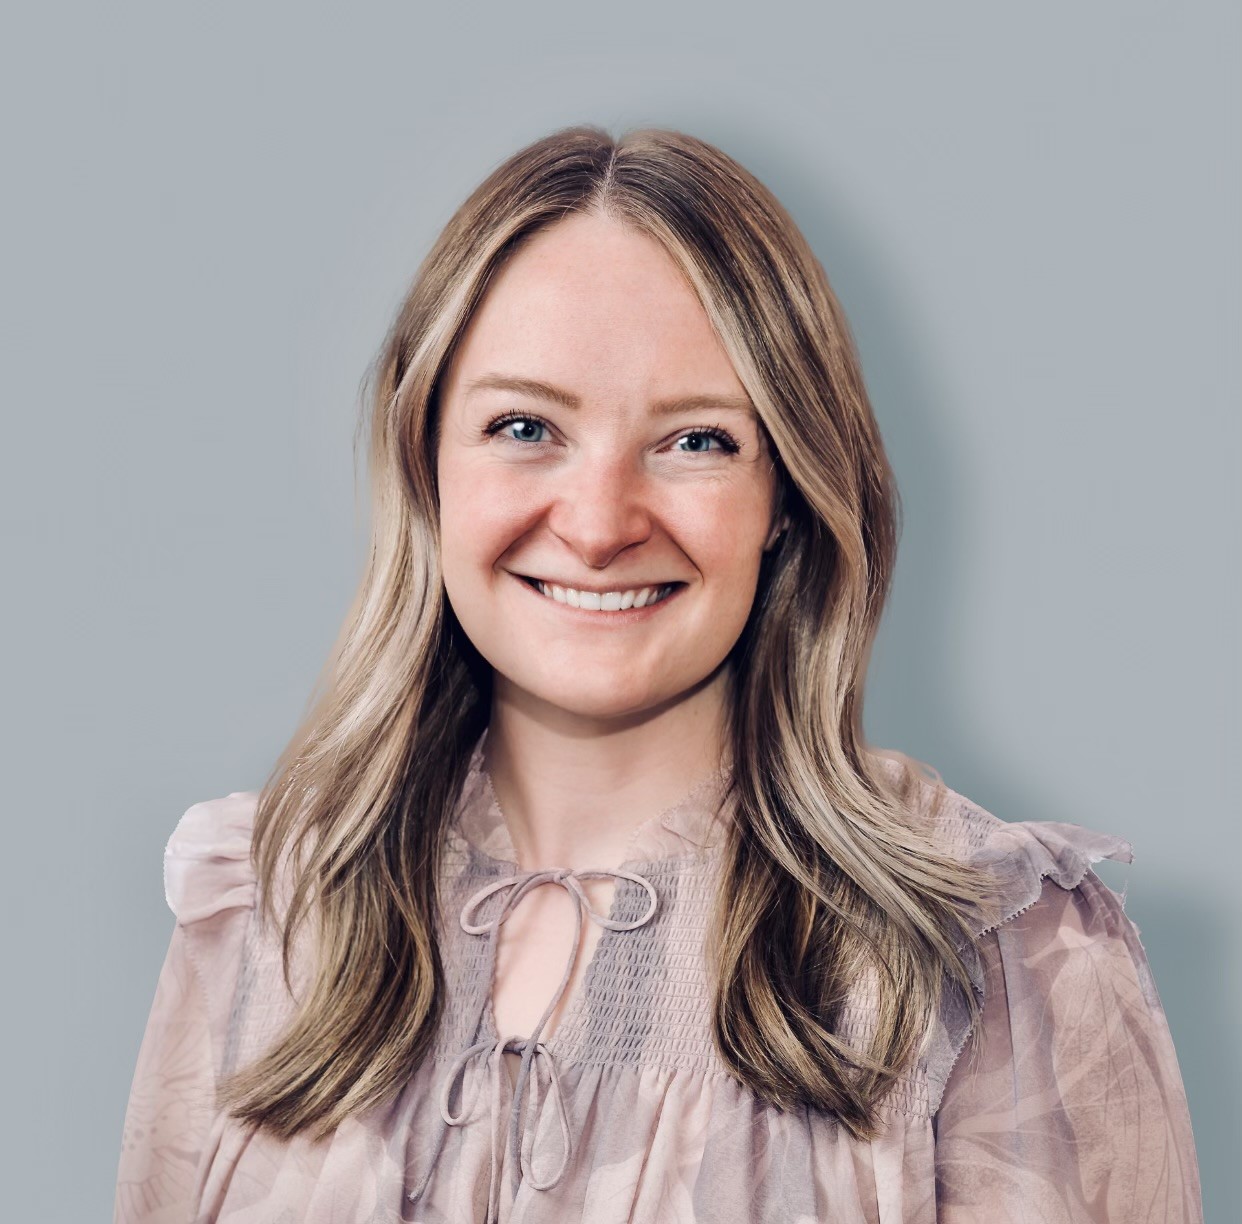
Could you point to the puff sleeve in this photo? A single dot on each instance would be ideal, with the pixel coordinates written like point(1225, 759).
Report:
point(209, 886)
point(1074, 1110)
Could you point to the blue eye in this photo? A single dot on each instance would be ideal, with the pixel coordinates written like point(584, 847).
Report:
point(728, 443)
point(510, 418)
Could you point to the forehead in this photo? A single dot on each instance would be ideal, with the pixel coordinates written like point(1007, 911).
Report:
point(598, 306)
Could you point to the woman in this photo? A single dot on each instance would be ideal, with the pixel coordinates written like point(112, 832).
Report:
point(579, 894)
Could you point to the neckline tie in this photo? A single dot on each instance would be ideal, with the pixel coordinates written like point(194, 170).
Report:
point(520, 1142)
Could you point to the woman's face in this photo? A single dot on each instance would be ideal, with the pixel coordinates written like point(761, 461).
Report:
point(595, 436)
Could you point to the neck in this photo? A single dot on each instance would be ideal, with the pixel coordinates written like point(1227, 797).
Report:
point(572, 789)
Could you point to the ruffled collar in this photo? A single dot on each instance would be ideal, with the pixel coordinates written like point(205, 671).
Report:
point(690, 827)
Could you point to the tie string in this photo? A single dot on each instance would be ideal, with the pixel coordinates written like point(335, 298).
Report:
point(521, 1140)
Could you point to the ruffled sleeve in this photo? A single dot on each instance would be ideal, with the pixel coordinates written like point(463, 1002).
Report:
point(1067, 1103)
point(210, 887)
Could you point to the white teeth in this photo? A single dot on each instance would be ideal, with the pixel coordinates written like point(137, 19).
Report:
point(609, 601)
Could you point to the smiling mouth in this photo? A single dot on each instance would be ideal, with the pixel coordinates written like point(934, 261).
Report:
point(614, 602)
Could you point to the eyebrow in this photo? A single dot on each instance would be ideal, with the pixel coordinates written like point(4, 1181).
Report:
point(538, 389)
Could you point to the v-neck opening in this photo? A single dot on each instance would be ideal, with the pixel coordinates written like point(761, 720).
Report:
point(575, 1002)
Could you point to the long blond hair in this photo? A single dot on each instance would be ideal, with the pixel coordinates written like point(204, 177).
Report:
point(830, 868)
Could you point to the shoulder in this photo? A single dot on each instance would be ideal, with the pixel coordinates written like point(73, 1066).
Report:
point(1067, 1094)
point(210, 887)
point(1018, 855)
point(1040, 869)
point(1059, 939)
point(207, 867)
point(1021, 855)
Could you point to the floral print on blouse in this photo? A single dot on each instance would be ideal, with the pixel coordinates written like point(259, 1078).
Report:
point(1071, 1110)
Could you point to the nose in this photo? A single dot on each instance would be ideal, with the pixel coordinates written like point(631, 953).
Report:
point(601, 507)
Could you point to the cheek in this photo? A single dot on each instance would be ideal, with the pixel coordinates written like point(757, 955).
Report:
point(727, 529)
point(480, 516)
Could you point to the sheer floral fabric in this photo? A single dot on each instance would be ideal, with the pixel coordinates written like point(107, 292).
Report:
point(1073, 1110)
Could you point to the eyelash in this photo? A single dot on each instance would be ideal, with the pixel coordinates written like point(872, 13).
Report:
point(722, 435)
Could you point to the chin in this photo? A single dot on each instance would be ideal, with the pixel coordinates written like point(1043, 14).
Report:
point(602, 702)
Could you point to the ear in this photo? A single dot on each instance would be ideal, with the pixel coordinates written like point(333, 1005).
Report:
point(778, 528)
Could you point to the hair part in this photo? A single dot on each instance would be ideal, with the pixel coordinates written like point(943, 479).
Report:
point(831, 870)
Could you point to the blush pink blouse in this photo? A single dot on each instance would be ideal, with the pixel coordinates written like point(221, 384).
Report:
point(1073, 1111)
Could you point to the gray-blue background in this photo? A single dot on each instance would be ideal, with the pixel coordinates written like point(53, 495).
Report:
point(210, 213)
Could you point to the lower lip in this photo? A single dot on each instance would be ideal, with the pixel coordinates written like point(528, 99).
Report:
point(621, 616)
